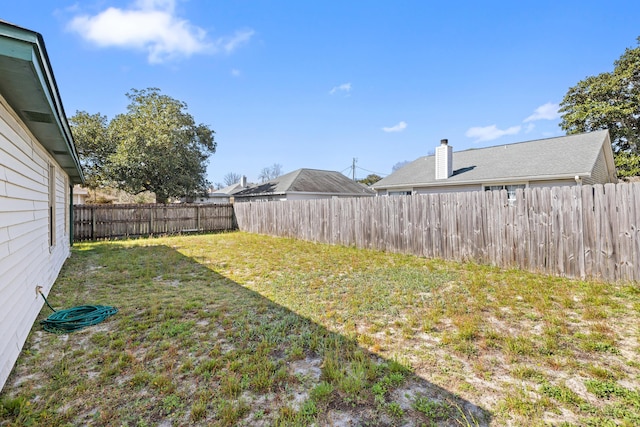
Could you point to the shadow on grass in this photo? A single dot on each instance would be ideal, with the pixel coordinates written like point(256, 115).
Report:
point(192, 347)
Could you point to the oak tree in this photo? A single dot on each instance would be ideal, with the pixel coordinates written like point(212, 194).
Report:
point(610, 100)
point(155, 146)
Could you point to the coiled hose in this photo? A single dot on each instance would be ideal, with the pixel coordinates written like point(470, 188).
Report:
point(75, 318)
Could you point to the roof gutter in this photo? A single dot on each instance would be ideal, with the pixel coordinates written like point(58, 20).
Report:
point(484, 181)
point(42, 75)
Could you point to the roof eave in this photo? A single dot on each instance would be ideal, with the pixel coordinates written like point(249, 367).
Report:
point(447, 183)
point(30, 89)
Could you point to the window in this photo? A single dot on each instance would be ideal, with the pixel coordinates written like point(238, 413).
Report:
point(400, 193)
point(511, 190)
point(52, 205)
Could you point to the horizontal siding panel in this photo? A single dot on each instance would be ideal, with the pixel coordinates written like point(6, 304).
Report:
point(4, 250)
point(555, 183)
point(16, 192)
point(26, 260)
point(20, 205)
point(10, 124)
point(31, 228)
point(447, 189)
point(12, 217)
point(29, 163)
point(25, 178)
point(24, 254)
point(13, 339)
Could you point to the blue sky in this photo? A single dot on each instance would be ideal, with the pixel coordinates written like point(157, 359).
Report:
point(315, 84)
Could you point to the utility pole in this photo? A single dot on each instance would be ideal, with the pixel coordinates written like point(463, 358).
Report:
point(353, 168)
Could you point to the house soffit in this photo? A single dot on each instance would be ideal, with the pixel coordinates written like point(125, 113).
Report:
point(29, 88)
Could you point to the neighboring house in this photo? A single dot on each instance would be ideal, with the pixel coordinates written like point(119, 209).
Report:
point(225, 195)
point(80, 195)
point(567, 160)
point(221, 196)
point(304, 184)
point(38, 168)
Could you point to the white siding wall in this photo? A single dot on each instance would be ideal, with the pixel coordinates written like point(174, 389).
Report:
point(316, 196)
point(599, 174)
point(554, 183)
point(448, 189)
point(26, 259)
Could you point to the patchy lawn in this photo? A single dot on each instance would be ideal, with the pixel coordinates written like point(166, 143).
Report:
point(241, 329)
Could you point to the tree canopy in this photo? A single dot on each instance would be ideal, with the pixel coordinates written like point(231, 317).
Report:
point(94, 146)
point(610, 100)
point(370, 179)
point(155, 146)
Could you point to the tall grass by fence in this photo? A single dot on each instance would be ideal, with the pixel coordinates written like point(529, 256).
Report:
point(579, 231)
point(95, 222)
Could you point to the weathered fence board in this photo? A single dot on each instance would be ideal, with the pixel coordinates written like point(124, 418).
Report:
point(579, 231)
point(95, 222)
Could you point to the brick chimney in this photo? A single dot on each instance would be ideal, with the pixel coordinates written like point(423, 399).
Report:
point(444, 160)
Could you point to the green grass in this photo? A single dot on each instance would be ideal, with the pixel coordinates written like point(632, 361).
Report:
point(239, 329)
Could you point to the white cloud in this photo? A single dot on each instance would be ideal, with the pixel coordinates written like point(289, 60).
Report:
point(397, 128)
point(529, 128)
point(489, 133)
point(152, 26)
point(548, 111)
point(229, 44)
point(345, 87)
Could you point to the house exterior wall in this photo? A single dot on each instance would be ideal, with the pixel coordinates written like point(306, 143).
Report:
point(600, 173)
point(480, 187)
point(27, 259)
point(312, 196)
point(552, 183)
point(448, 189)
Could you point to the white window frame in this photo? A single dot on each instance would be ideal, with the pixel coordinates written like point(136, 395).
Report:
point(511, 192)
point(399, 193)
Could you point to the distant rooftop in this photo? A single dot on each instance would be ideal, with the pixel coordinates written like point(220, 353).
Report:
point(308, 181)
point(565, 156)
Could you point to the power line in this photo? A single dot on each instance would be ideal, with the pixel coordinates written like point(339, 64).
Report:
point(377, 173)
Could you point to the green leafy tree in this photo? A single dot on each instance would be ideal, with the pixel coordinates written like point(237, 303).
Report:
point(610, 101)
point(370, 179)
point(155, 146)
point(159, 148)
point(94, 146)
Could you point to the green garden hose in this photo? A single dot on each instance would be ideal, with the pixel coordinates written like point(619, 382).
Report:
point(75, 318)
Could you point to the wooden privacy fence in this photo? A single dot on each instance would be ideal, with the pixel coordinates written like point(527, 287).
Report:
point(579, 231)
point(94, 222)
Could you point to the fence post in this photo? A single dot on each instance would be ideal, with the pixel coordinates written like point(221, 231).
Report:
point(93, 222)
point(198, 217)
point(150, 220)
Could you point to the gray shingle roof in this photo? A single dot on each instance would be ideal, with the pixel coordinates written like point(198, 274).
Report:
point(308, 181)
point(227, 191)
point(564, 156)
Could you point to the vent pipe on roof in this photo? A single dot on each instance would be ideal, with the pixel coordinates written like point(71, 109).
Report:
point(444, 160)
point(243, 181)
